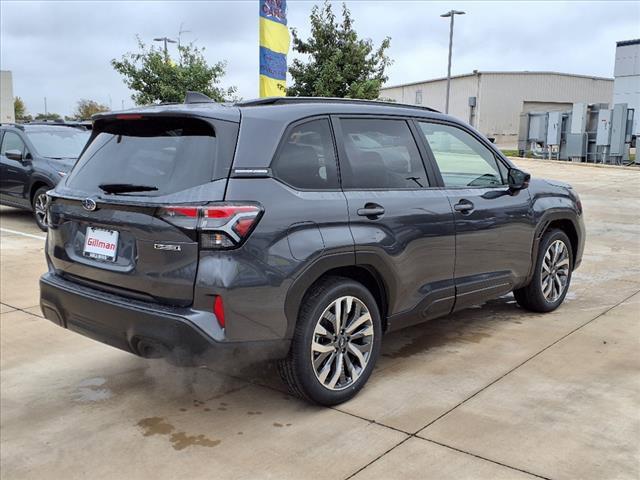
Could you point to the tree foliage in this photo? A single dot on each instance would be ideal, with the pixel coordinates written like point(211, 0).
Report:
point(19, 109)
point(339, 63)
point(156, 78)
point(85, 109)
point(48, 116)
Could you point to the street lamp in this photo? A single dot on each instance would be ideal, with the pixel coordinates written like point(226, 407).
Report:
point(452, 14)
point(165, 40)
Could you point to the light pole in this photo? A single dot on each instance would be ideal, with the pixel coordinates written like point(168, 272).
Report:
point(450, 13)
point(165, 40)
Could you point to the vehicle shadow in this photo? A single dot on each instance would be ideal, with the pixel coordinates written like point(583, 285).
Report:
point(472, 325)
point(11, 217)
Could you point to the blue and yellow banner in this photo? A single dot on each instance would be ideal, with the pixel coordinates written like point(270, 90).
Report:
point(274, 46)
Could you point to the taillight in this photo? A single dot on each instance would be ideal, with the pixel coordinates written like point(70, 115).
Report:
point(221, 225)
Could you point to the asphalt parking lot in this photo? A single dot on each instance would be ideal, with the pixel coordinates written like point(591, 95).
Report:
point(491, 392)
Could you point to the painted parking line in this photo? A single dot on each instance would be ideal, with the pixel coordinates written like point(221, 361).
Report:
point(30, 235)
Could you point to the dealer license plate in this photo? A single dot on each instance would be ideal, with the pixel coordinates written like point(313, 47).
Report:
point(101, 244)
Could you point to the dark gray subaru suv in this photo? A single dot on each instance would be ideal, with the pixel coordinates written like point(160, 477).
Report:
point(303, 229)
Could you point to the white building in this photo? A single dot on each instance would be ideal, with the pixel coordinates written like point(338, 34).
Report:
point(626, 87)
point(493, 101)
point(7, 114)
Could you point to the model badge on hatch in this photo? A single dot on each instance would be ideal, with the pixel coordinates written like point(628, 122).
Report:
point(164, 246)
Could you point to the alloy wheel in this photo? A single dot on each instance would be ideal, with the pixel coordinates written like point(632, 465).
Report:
point(555, 271)
point(342, 343)
point(40, 208)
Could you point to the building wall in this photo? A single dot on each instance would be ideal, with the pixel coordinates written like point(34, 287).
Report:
point(626, 87)
point(434, 94)
point(503, 96)
point(7, 114)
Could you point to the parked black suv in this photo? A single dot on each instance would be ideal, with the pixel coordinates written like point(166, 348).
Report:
point(33, 158)
point(303, 228)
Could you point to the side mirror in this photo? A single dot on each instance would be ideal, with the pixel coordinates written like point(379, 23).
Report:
point(14, 155)
point(518, 179)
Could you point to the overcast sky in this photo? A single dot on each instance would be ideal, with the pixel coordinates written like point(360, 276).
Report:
point(62, 50)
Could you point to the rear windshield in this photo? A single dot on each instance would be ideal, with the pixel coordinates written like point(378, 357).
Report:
point(168, 154)
point(58, 142)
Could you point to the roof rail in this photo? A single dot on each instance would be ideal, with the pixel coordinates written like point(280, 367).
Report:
point(12, 124)
point(293, 100)
point(63, 123)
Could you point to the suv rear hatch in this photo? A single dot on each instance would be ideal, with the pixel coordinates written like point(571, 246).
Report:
point(121, 220)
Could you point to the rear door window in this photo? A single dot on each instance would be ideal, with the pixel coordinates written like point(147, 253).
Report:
point(381, 154)
point(306, 160)
point(170, 154)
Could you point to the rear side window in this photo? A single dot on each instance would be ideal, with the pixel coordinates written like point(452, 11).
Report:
point(381, 154)
point(170, 154)
point(306, 160)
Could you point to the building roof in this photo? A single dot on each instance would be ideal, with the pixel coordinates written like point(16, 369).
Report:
point(477, 72)
point(624, 43)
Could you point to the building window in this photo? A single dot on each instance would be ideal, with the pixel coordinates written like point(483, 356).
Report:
point(418, 97)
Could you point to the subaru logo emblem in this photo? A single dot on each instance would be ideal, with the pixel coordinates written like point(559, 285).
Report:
point(89, 204)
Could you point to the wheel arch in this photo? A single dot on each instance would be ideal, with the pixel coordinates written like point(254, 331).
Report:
point(336, 265)
point(562, 220)
point(35, 185)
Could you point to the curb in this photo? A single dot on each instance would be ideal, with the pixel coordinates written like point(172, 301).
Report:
point(581, 164)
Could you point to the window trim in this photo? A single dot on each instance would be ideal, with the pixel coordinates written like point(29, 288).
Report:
point(342, 153)
point(432, 160)
point(281, 144)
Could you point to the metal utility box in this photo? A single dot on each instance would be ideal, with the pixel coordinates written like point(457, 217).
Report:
point(579, 118)
point(576, 145)
point(603, 130)
point(618, 129)
point(586, 133)
point(554, 128)
point(537, 127)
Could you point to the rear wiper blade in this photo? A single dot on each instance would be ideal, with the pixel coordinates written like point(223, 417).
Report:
point(125, 188)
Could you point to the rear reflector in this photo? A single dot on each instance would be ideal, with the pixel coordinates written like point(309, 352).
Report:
point(218, 310)
point(221, 225)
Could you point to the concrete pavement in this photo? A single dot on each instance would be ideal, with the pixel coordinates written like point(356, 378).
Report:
point(490, 392)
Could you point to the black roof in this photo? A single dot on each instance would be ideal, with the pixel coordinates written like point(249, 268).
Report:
point(324, 100)
point(283, 109)
point(21, 126)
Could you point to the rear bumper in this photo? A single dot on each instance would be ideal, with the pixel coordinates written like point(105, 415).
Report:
point(141, 328)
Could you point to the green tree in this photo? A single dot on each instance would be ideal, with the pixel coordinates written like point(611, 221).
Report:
point(48, 116)
point(19, 109)
point(339, 63)
point(85, 109)
point(156, 78)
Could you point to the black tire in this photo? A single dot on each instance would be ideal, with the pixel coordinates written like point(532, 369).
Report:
point(297, 370)
point(36, 207)
point(532, 296)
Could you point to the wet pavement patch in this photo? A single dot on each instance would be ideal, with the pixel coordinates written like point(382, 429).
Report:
point(89, 390)
point(179, 440)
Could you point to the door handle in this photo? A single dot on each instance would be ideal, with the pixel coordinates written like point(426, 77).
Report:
point(463, 206)
point(371, 210)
